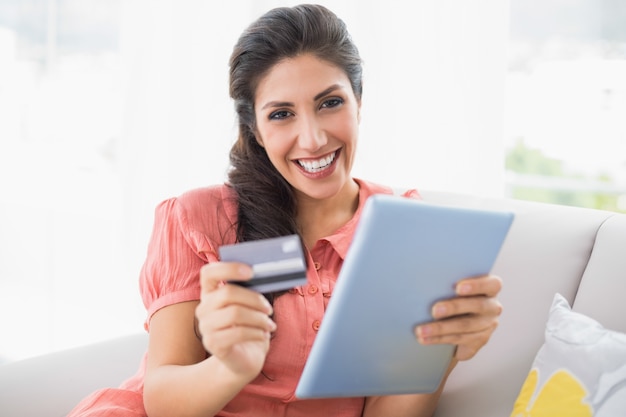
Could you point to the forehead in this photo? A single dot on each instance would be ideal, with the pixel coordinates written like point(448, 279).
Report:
point(303, 75)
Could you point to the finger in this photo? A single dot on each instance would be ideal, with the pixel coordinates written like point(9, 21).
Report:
point(235, 316)
point(480, 305)
point(489, 285)
point(232, 295)
point(466, 345)
point(459, 325)
point(222, 342)
point(215, 273)
point(214, 323)
point(472, 340)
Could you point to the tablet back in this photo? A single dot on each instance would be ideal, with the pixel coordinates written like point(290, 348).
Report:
point(405, 255)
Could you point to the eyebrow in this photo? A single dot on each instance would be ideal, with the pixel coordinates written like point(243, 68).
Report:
point(290, 104)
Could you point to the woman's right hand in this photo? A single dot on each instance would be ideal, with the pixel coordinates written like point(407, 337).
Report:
point(233, 321)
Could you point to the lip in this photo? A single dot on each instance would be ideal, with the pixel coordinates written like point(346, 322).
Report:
point(322, 174)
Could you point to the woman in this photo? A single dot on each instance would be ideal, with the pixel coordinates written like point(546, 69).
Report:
point(221, 349)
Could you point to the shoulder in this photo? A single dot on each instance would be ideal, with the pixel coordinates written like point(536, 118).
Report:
point(211, 200)
point(208, 211)
point(205, 197)
point(370, 188)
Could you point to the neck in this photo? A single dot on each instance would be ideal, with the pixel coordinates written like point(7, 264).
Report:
point(319, 218)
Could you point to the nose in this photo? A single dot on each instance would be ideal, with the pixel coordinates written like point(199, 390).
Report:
point(311, 135)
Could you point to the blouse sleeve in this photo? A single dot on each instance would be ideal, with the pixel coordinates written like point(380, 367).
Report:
point(171, 271)
point(412, 193)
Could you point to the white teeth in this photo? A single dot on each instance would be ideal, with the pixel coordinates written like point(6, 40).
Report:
point(319, 165)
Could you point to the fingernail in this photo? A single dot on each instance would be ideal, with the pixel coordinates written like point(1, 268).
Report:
point(423, 331)
point(272, 324)
point(268, 307)
point(464, 289)
point(245, 271)
point(424, 334)
point(439, 311)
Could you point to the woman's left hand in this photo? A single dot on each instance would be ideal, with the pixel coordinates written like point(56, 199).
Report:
point(467, 320)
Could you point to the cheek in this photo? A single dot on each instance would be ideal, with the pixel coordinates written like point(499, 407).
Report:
point(347, 132)
point(277, 140)
point(276, 148)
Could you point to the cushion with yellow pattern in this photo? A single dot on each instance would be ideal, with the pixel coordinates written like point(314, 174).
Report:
point(579, 371)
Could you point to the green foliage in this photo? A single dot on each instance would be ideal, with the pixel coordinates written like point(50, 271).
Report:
point(524, 160)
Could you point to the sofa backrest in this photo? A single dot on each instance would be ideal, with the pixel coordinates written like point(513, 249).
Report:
point(548, 250)
point(52, 384)
point(577, 252)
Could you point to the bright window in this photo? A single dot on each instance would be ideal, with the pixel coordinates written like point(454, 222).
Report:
point(566, 103)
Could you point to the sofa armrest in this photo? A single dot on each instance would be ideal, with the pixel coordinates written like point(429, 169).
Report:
point(52, 384)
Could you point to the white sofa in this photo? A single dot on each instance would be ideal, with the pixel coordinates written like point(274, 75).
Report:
point(580, 253)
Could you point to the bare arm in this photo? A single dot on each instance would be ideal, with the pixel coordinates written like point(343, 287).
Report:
point(180, 379)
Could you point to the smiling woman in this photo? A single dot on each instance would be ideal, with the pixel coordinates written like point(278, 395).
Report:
point(318, 125)
point(110, 107)
point(216, 348)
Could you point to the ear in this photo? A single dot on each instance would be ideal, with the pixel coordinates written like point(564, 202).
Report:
point(256, 135)
point(259, 140)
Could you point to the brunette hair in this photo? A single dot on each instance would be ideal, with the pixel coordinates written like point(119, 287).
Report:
point(266, 203)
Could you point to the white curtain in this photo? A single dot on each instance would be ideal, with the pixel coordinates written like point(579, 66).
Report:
point(432, 119)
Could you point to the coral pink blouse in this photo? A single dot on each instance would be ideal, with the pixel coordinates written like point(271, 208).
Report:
point(187, 233)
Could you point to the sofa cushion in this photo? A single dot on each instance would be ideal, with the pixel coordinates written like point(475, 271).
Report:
point(603, 285)
point(579, 371)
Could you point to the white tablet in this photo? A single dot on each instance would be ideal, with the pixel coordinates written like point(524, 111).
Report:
point(405, 255)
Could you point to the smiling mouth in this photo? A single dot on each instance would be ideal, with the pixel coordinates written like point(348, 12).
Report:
point(318, 165)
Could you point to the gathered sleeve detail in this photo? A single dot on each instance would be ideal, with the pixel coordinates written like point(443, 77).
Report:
point(183, 240)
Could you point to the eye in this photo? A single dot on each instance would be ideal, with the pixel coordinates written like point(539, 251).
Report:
point(332, 102)
point(279, 115)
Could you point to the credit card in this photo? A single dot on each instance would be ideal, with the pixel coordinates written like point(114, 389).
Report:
point(278, 264)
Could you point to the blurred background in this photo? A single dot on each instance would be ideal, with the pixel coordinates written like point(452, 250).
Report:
point(108, 107)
